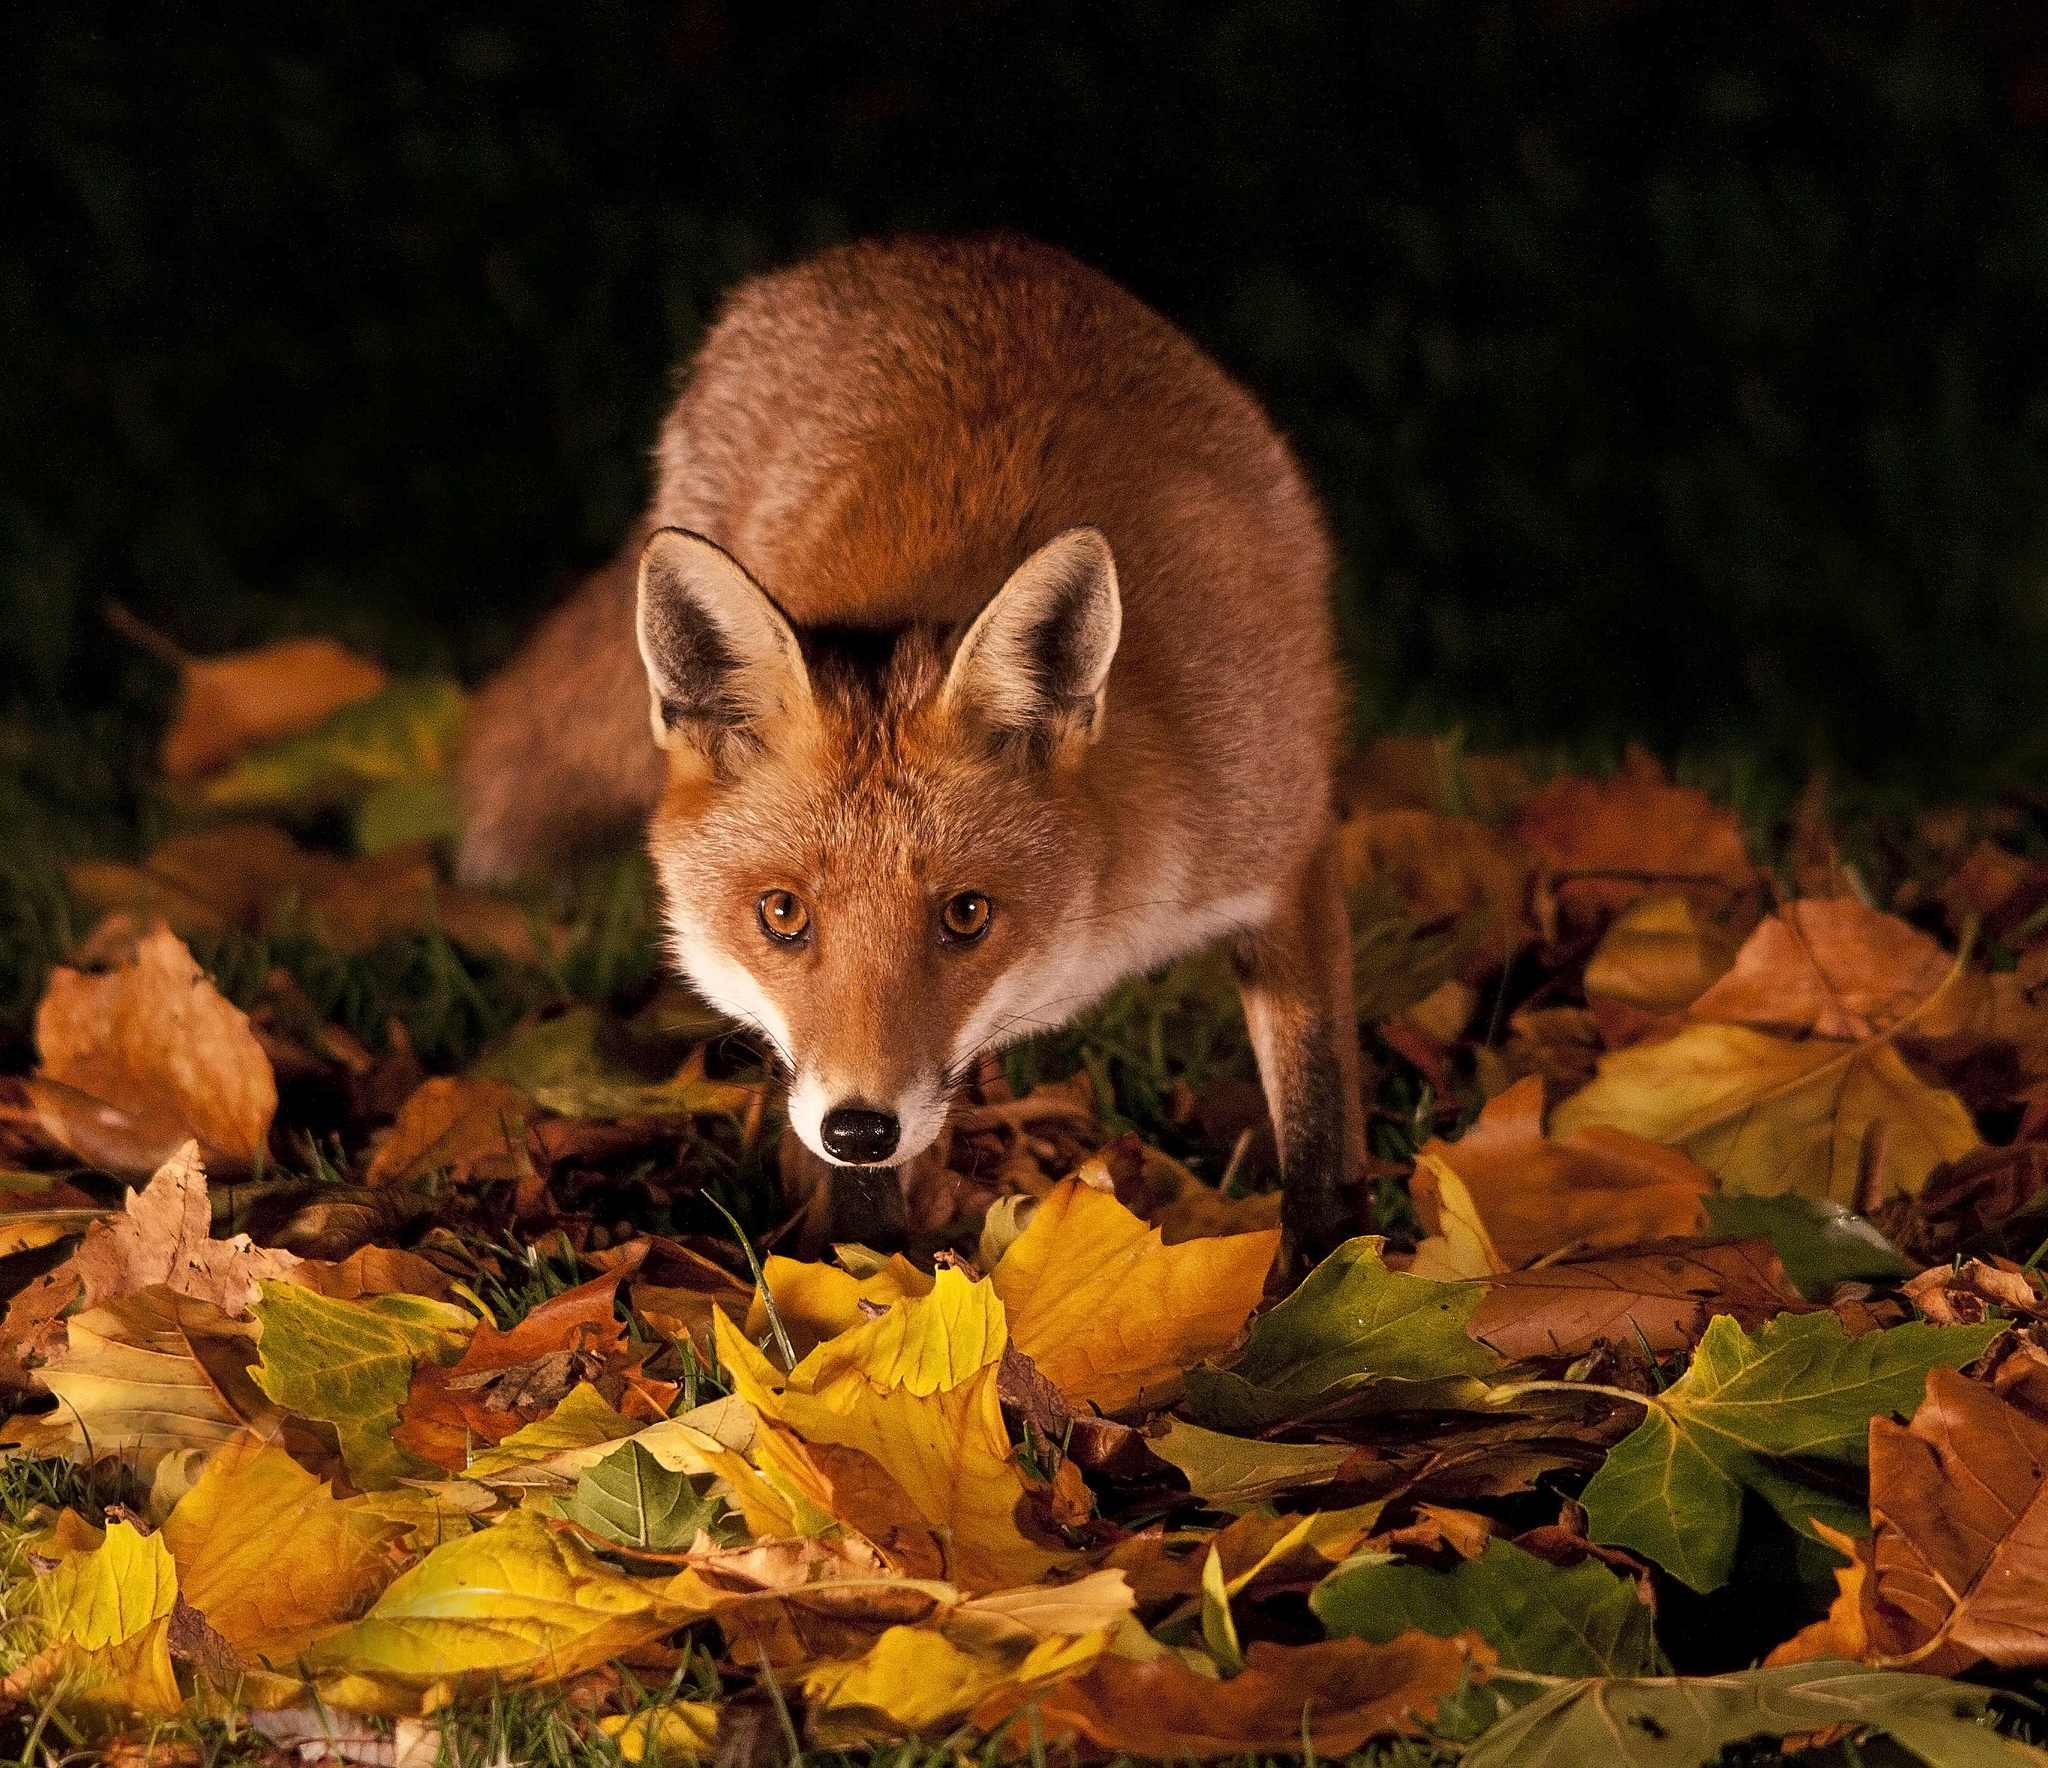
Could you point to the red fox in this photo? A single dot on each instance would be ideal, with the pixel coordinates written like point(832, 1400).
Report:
point(985, 624)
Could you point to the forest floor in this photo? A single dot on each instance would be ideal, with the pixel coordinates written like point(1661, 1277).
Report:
point(418, 1350)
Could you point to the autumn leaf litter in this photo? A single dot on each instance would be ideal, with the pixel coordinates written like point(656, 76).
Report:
point(1705, 1196)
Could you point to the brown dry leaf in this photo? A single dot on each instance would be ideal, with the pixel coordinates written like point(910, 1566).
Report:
point(1665, 1292)
point(229, 704)
point(474, 1128)
point(1997, 888)
point(508, 1379)
point(374, 1270)
point(1607, 843)
point(1442, 867)
point(139, 1062)
point(1959, 1552)
point(161, 1237)
point(1830, 968)
point(1966, 1293)
point(1591, 1188)
point(1763, 1115)
point(1338, 1694)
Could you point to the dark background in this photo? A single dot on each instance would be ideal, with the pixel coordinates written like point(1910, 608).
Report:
point(1671, 371)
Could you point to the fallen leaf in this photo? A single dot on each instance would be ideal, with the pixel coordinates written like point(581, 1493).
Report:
point(137, 1063)
point(104, 1689)
point(1746, 1413)
point(511, 1604)
point(1608, 843)
point(1829, 968)
point(1820, 1242)
point(915, 1681)
point(269, 1555)
point(944, 1446)
point(673, 1733)
point(405, 731)
point(1587, 1187)
point(1442, 868)
point(556, 1448)
point(561, 1064)
point(1678, 1721)
point(1583, 1621)
point(1658, 956)
point(1230, 1473)
point(631, 1498)
point(507, 1379)
point(101, 1597)
point(1660, 1295)
point(1764, 1115)
point(1352, 1324)
point(351, 1363)
point(1333, 1695)
point(227, 705)
point(151, 1374)
point(818, 1301)
point(1107, 1312)
point(1960, 1549)
point(473, 1129)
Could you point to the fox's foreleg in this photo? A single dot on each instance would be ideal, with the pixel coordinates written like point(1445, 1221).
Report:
point(1295, 978)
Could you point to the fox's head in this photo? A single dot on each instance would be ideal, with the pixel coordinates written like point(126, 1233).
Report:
point(868, 843)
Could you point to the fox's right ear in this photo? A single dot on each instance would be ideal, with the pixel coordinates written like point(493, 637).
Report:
point(722, 661)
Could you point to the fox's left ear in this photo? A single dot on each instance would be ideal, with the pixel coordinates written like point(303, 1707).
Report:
point(1035, 663)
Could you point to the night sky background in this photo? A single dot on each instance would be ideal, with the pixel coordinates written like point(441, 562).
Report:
point(1675, 372)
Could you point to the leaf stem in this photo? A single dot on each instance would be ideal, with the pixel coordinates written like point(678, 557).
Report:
point(1500, 1396)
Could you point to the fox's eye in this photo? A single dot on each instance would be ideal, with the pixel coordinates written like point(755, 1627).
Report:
point(783, 916)
point(965, 916)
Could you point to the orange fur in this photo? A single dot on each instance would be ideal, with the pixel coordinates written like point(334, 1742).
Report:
point(880, 437)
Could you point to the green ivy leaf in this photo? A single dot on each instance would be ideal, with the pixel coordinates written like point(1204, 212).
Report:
point(1680, 1721)
point(1353, 1325)
point(630, 1498)
point(1552, 1621)
point(350, 1363)
point(1747, 1412)
point(1819, 1242)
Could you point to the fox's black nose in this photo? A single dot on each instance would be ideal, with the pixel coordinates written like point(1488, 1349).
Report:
point(859, 1134)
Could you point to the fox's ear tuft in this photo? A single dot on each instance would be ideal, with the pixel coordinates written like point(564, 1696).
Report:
point(722, 661)
point(1035, 663)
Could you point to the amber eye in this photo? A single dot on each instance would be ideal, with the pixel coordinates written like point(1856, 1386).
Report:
point(783, 916)
point(965, 916)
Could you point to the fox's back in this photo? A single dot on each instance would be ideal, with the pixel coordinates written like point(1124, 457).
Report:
point(882, 433)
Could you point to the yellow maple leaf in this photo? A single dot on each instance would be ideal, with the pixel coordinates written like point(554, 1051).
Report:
point(945, 1446)
point(1108, 1312)
point(819, 1301)
point(915, 1681)
point(103, 1688)
point(1765, 1115)
point(99, 1598)
point(229, 1536)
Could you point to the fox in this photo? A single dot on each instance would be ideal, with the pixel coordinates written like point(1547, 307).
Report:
point(975, 653)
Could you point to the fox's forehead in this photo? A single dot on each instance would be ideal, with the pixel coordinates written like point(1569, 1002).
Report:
point(873, 826)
